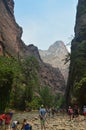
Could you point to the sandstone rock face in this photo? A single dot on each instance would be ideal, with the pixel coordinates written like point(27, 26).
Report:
point(10, 32)
point(55, 56)
point(12, 45)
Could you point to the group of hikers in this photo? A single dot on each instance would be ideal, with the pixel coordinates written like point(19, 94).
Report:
point(13, 125)
point(43, 113)
point(71, 112)
point(6, 118)
point(74, 112)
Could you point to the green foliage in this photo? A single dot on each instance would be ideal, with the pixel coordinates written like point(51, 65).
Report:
point(59, 100)
point(77, 69)
point(30, 66)
point(79, 84)
point(78, 63)
point(25, 83)
point(67, 59)
point(30, 71)
point(34, 104)
point(19, 84)
point(46, 96)
point(17, 98)
point(80, 91)
point(7, 74)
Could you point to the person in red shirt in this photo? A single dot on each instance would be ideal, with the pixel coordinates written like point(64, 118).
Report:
point(8, 117)
point(2, 117)
point(70, 113)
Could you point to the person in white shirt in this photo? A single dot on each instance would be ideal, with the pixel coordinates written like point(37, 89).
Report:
point(14, 125)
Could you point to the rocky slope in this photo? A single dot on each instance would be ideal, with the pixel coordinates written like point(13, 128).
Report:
point(12, 45)
point(55, 56)
point(49, 76)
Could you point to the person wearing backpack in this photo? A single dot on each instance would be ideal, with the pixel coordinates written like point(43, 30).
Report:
point(2, 117)
point(26, 125)
point(8, 117)
point(42, 115)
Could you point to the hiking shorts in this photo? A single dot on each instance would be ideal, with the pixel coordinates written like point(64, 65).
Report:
point(42, 122)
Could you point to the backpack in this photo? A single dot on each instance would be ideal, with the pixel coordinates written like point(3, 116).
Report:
point(42, 113)
point(27, 127)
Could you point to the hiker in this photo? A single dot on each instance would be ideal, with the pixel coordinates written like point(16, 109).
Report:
point(42, 115)
point(2, 117)
point(14, 125)
point(84, 112)
point(76, 111)
point(70, 113)
point(26, 125)
point(1, 120)
point(8, 117)
point(53, 111)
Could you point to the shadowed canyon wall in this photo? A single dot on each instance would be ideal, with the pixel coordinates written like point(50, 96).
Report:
point(76, 89)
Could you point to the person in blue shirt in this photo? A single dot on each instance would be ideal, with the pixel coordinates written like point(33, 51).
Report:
point(42, 115)
point(26, 125)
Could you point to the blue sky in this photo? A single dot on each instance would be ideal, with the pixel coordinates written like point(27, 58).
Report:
point(46, 21)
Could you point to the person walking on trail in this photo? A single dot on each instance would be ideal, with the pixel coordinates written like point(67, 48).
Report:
point(70, 113)
point(2, 117)
point(76, 111)
point(8, 117)
point(42, 115)
point(53, 111)
point(84, 112)
point(26, 125)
